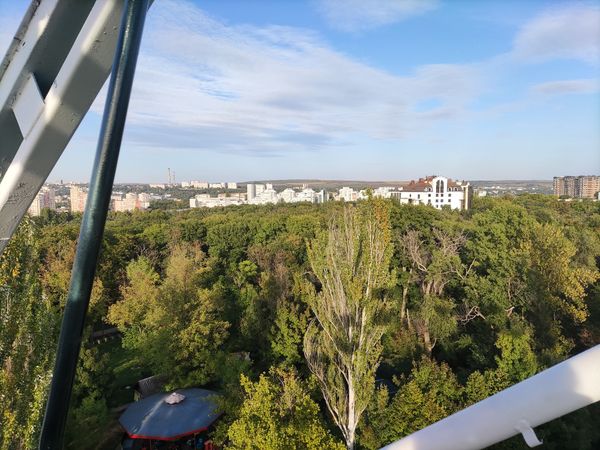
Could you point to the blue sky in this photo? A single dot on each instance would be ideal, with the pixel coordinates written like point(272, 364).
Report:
point(355, 89)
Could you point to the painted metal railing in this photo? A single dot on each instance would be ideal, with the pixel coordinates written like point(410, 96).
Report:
point(559, 390)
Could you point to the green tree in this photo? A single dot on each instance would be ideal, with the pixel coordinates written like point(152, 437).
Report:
point(430, 393)
point(175, 324)
point(434, 263)
point(28, 333)
point(555, 277)
point(278, 414)
point(342, 344)
point(291, 322)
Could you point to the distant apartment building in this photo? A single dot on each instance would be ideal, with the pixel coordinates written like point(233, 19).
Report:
point(348, 194)
point(45, 198)
point(78, 196)
point(131, 202)
point(589, 186)
point(206, 201)
point(250, 191)
point(231, 185)
point(583, 186)
point(267, 195)
point(126, 203)
point(260, 194)
point(200, 184)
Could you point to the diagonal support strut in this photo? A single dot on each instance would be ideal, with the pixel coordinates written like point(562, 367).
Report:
point(92, 226)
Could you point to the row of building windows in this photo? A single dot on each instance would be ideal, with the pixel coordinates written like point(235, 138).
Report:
point(440, 188)
point(429, 195)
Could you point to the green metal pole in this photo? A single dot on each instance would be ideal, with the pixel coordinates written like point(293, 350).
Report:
point(92, 225)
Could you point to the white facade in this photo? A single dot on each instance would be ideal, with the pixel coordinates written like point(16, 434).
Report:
point(231, 185)
point(250, 191)
point(347, 194)
point(268, 195)
point(434, 191)
point(287, 195)
point(259, 194)
point(206, 201)
point(383, 192)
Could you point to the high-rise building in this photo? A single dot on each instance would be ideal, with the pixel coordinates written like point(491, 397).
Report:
point(78, 198)
point(250, 191)
point(45, 198)
point(231, 185)
point(589, 186)
point(583, 186)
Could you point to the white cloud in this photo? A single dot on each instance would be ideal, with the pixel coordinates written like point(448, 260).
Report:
point(357, 15)
point(202, 84)
point(571, 32)
point(583, 86)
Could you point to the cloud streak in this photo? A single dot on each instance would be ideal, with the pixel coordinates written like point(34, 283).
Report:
point(571, 32)
point(360, 15)
point(584, 86)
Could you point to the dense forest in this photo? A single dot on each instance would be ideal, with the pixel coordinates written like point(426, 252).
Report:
point(322, 326)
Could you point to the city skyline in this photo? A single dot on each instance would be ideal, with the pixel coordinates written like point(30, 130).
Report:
point(355, 90)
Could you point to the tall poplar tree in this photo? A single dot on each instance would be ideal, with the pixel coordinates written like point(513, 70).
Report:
point(342, 344)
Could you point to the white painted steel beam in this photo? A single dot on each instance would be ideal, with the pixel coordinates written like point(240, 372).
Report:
point(559, 390)
point(39, 47)
point(65, 48)
point(28, 106)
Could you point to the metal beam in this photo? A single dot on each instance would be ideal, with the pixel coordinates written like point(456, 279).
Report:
point(559, 390)
point(67, 47)
point(92, 226)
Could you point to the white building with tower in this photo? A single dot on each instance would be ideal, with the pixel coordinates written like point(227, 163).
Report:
point(435, 191)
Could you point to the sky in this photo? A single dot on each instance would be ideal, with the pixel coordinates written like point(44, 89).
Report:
point(239, 90)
